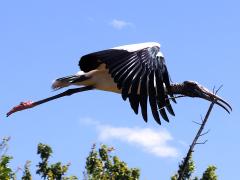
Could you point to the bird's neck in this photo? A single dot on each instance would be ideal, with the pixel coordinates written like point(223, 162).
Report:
point(177, 88)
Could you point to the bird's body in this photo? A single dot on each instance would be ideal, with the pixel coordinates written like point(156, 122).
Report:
point(99, 78)
point(138, 72)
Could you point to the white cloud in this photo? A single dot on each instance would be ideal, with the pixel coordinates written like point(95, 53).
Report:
point(120, 24)
point(152, 141)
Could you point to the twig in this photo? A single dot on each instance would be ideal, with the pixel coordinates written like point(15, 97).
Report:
point(202, 142)
point(199, 133)
point(205, 133)
point(197, 123)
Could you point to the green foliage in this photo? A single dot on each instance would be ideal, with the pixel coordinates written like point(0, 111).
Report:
point(101, 165)
point(210, 173)
point(26, 173)
point(188, 171)
point(6, 172)
point(47, 171)
point(54, 171)
point(189, 168)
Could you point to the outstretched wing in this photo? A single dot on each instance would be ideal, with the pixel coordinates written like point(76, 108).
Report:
point(140, 72)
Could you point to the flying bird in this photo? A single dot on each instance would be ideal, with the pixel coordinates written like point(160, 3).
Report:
point(138, 72)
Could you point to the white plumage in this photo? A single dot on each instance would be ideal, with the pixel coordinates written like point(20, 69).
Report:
point(136, 47)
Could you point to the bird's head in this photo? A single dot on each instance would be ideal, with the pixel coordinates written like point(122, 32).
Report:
point(194, 89)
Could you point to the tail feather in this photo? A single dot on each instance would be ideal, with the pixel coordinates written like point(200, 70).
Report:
point(69, 80)
point(63, 82)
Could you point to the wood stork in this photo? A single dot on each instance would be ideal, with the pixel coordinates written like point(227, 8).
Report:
point(138, 72)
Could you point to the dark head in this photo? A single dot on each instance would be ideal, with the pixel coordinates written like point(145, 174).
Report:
point(193, 89)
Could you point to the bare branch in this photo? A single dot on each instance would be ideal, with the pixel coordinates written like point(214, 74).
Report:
point(201, 142)
point(214, 87)
point(199, 134)
point(218, 89)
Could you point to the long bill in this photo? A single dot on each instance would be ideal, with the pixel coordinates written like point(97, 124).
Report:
point(219, 101)
point(206, 94)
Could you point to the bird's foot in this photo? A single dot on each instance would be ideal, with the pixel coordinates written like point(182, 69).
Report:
point(21, 106)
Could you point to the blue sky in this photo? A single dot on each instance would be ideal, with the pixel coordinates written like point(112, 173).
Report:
point(43, 40)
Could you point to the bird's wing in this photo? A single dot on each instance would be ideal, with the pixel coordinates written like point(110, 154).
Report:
point(141, 74)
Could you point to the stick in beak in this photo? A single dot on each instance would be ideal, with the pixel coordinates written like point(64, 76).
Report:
point(194, 89)
point(219, 101)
